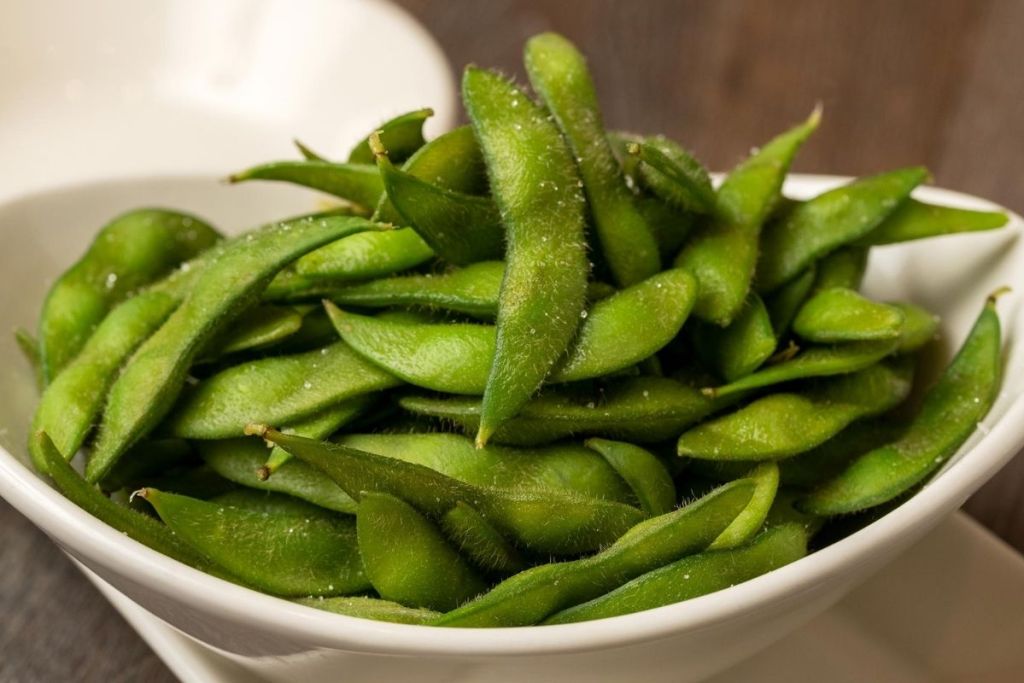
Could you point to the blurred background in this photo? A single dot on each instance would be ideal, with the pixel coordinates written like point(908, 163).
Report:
point(933, 82)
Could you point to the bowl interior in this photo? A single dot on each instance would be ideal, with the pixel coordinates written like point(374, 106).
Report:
point(47, 231)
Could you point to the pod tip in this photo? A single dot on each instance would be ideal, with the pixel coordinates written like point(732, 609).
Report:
point(1002, 291)
point(256, 429)
point(263, 473)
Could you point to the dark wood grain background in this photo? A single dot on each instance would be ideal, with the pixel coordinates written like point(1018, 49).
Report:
point(929, 82)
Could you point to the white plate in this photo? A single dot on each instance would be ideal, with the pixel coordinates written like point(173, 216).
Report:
point(951, 609)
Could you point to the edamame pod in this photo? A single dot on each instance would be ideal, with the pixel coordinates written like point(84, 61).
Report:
point(258, 327)
point(285, 389)
point(695, 575)
point(150, 383)
point(531, 596)
point(782, 425)
point(650, 481)
point(371, 608)
point(539, 520)
point(472, 290)
point(951, 412)
point(407, 559)
point(460, 228)
point(618, 332)
point(29, 347)
point(830, 220)
point(843, 315)
point(560, 467)
point(319, 425)
point(239, 460)
point(559, 74)
point(480, 541)
point(536, 186)
point(131, 251)
point(844, 267)
point(674, 175)
point(356, 183)
point(639, 410)
point(783, 303)
point(750, 521)
point(742, 346)
point(722, 254)
point(277, 544)
point(403, 135)
point(916, 220)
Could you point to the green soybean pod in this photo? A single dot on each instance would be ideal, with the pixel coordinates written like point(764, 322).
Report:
point(478, 540)
point(150, 383)
point(531, 596)
point(69, 406)
point(783, 425)
point(452, 161)
point(371, 608)
point(239, 461)
point(560, 467)
point(538, 520)
point(917, 220)
point(359, 184)
point(536, 186)
point(133, 250)
point(617, 332)
point(472, 290)
point(741, 347)
point(951, 412)
point(749, 522)
point(830, 220)
point(650, 481)
point(783, 303)
point(283, 389)
point(407, 558)
point(138, 527)
point(277, 544)
point(319, 425)
point(403, 135)
point(722, 254)
point(29, 347)
point(843, 268)
point(638, 410)
point(920, 326)
point(695, 575)
point(461, 228)
point(842, 315)
point(258, 327)
point(669, 225)
point(674, 175)
point(559, 74)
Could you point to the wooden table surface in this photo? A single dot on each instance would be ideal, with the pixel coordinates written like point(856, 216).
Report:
point(928, 82)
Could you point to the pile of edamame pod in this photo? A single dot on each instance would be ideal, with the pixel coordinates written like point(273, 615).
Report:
point(528, 372)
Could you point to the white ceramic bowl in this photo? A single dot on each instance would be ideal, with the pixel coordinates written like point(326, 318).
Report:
point(280, 641)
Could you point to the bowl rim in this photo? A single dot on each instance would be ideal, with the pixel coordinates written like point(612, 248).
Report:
point(94, 542)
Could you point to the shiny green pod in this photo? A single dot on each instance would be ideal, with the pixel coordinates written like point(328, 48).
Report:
point(402, 135)
point(132, 251)
point(842, 315)
point(844, 267)
point(695, 575)
point(742, 346)
point(916, 220)
point(651, 483)
point(785, 424)
point(407, 559)
point(472, 290)
point(722, 253)
point(559, 74)
point(533, 595)
point(359, 184)
point(538, 520)
point(371, 608)
point(751, 520)
point(639, 410)
point(461, 228)
point(560, 467)
point(617, 332)
point(830, 220)
point(148, 386)
point(277, 544)
point(281, 389)
point(952, 410)
point(536, 186)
